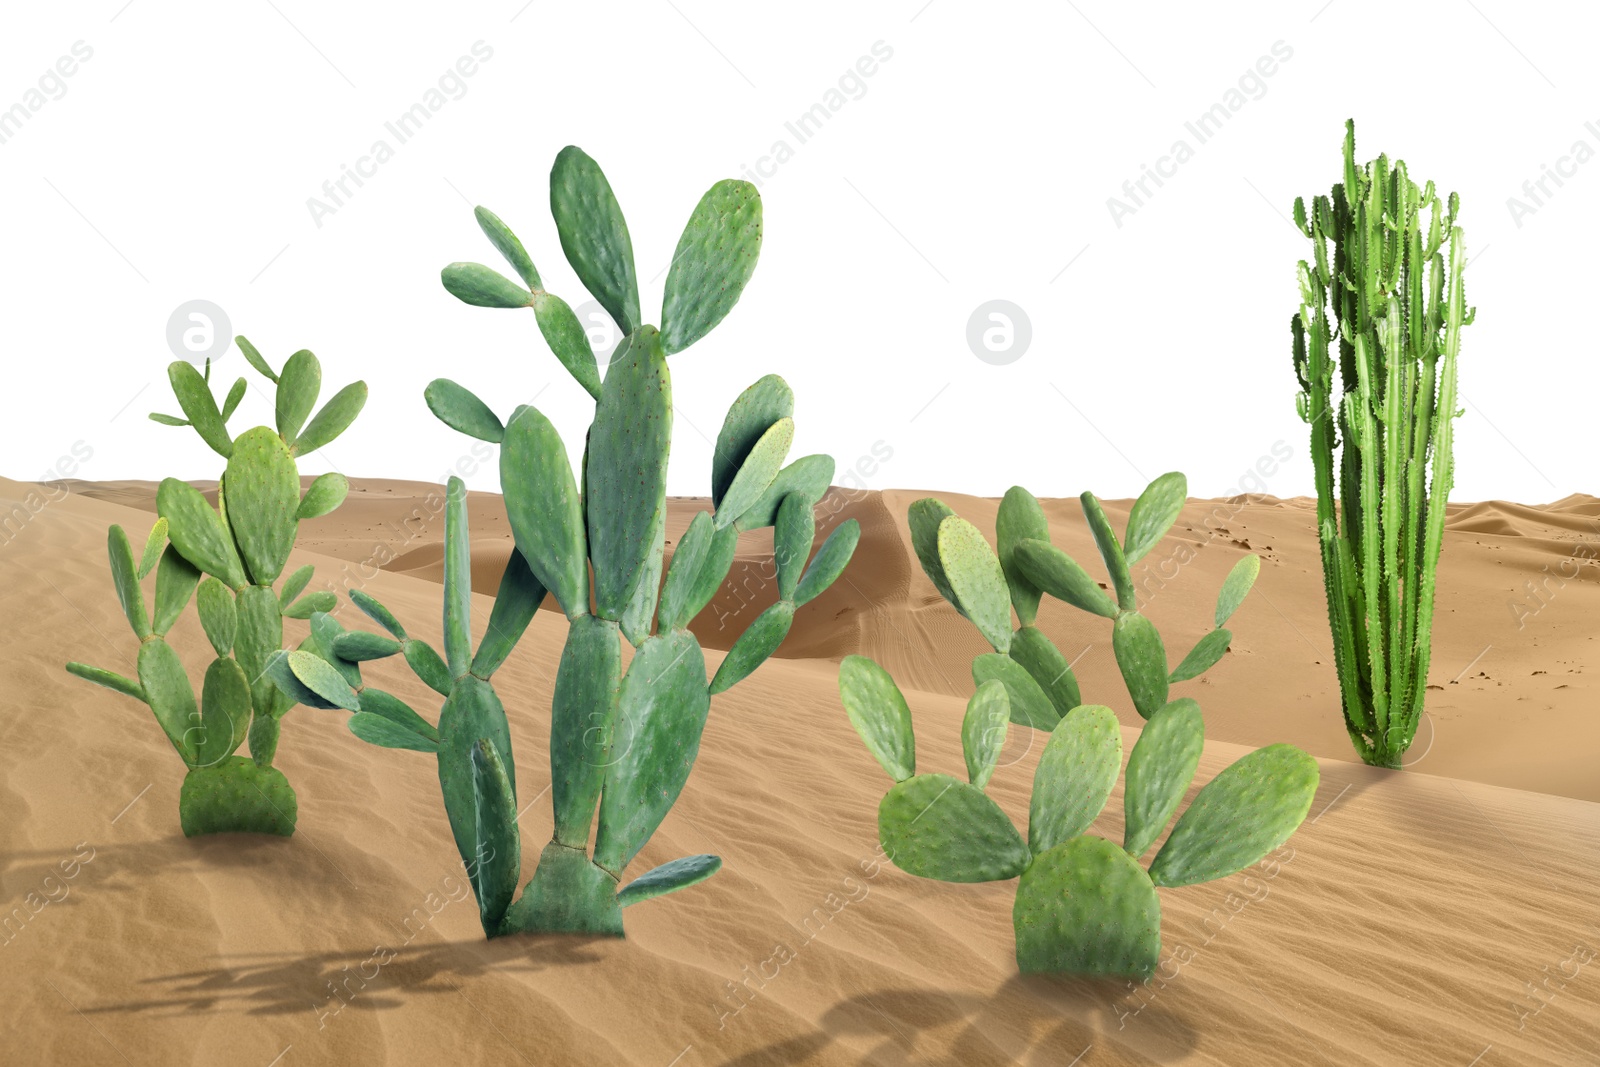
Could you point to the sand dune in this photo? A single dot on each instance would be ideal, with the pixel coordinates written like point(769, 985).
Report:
point(1422, 917)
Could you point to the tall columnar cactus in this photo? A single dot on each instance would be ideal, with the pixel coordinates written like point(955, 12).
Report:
point(1083, 905)
point(622, 741)
point(1385, 294)
point(228, 560)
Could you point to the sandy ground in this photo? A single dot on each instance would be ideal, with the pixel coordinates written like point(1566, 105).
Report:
point(1445, 914)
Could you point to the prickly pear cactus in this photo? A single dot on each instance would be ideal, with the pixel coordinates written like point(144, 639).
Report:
point(229, 560)
point(1083, 904)
point(622, 741)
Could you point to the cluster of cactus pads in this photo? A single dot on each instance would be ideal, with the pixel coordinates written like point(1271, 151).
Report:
point(1083, 904)
point(1381, 445)
point(622, 741)
point(228, 560)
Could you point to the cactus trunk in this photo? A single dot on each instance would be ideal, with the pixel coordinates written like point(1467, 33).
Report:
point(1395, 310)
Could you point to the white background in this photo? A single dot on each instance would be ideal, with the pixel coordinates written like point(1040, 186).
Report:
point(975, 163)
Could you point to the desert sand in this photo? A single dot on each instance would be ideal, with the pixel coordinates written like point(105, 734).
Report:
point(1444, 914)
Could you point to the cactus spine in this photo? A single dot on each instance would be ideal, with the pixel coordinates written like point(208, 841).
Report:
point(1391, 294)
point(228, 559)
point(622, 742)
point(1083, 905)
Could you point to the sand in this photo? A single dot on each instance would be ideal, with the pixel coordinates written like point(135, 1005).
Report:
point(1445, 914)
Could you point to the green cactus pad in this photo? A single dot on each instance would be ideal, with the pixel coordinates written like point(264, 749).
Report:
point(829, 563)
point(237, 796)
point(311, 681)
point(326, 633)
point(1085, 907)
point(1030, 706)
point(542, 502)
point(1105, 540)
point(515, 603)
point(109, 679)
point(687, 559)
point(358, 646)
point(1142, 659)
point(792, 538)
point(669, 878)
point(1039, 656)
point(175, 584)
point(583, 723)
point(568, 340)
point(758, 642)
point(258, 635)
point(194, 396)
point(1020, 518)
point(153, 545)
point(471, 713)
point(460, 409)
point(457, 579)
point(373, 610)
point(808, 476)
point(264, 732)
point(508, 245)
point(1205, 654)
point(168, 692)
point(640, 613)
point(125, 576)
point(310, 604)
point(750, 416)
point(388, 706)
point(568, 895)
point(713, 571)
point(1238, 817)
point(626, 468)
point(484, 287)
point(661, 712)
point(757, 473)
point(1059, 575)
point(983, 731)
point(936, 826)
point(924, 517)
point(1153, 514)
point(1076, 773)
point(224, 713)
point(198, 532)
point(427, 664)
point(1159, 772)
point(377, 730)
point(334, 418)
point(325, 494)
point(714, 261)
point(263, 498)
point(499, 861)
point(879, 712)
point(253, 357)
point(974, 574)
point(1236, 587)
point(296, 583)
point(594, 237)
point(298, 387)
point(235, 394)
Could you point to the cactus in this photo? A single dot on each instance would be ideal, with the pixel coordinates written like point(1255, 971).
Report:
point(622, 741)
point(227, 560)
point(1083, 905)
point(1397, 311)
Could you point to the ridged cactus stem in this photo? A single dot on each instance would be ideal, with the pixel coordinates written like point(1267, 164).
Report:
point(1396, 311)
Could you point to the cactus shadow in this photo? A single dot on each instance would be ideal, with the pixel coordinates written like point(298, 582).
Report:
point(1030, 1020)
point(363, 979)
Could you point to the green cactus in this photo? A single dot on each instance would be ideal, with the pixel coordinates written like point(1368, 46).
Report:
point(1083, 905)
point(622, 741)
point(227, 560)
point(1392, 295)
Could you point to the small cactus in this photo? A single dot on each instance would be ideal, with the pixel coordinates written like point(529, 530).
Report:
point(1383, 300)
point(1083, 905)
point(621, 741)
point(227, 560)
